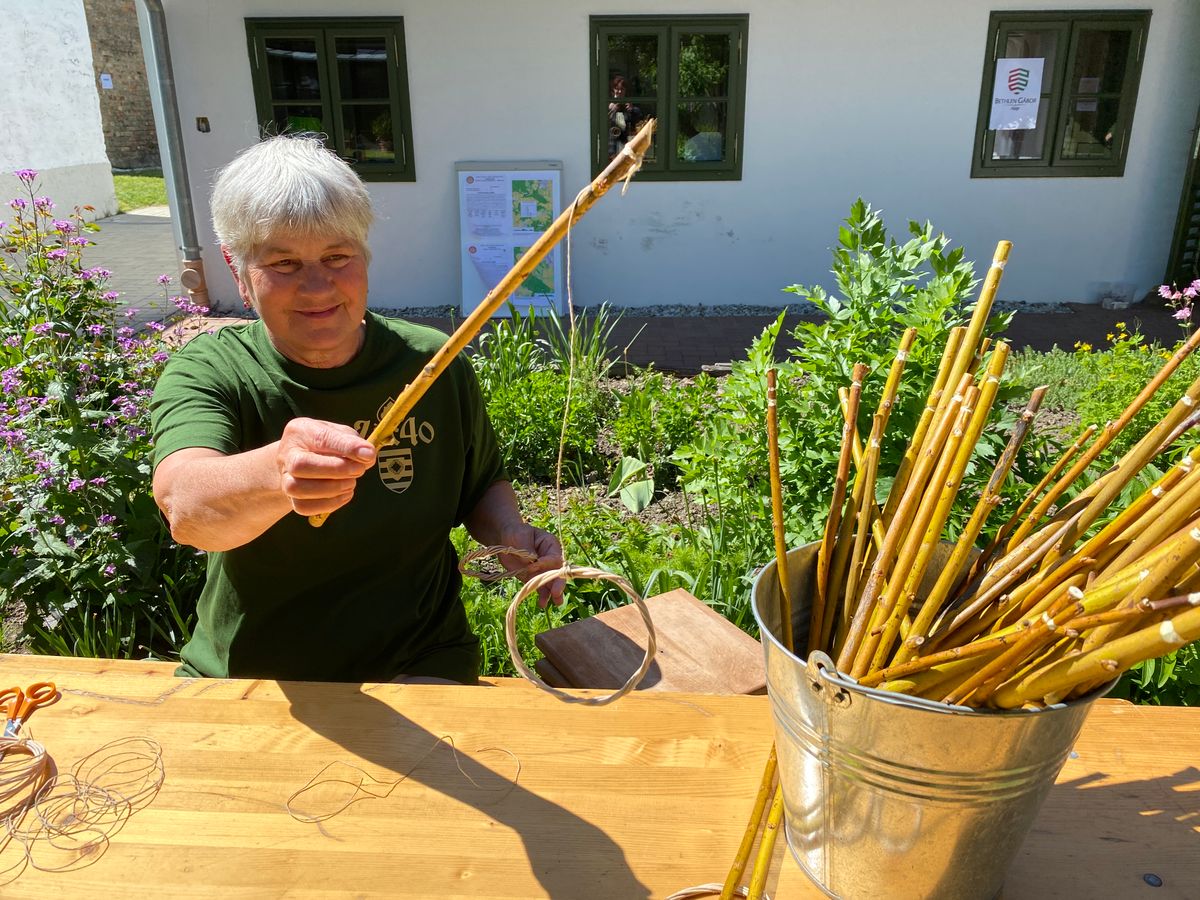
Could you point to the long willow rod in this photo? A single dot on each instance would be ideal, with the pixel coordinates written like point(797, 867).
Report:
point(623, 166)
point(781, 567)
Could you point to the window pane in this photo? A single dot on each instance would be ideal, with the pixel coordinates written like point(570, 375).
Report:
point(367, 130)
point(1100, 58)
point(1030, 44)
point(633, 65)
point(1089, 133)
point(703, 65)
point(701, 132)
point(624, 120)
point(292, 68)
point(1024, 143)
point(295, 118)
point(362, 68)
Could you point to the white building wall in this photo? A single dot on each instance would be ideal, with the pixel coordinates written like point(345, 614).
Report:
point(49, 106)
point(869, 98)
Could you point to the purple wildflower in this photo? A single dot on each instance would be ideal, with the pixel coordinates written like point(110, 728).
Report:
point(161, 357)
point(10, 380)
point(131, 312)
point(12, 340)
point(1184, 312)
point(164, 279)
point(57, 520)
point(26, 175)
point(78, 242)
point(42, 327)
point(106, 519)
point(18, 203)
point(96, 330)
point(75, 484)
point(155, 326)
point(98, 273)
point(110, 570)
point(100, 481)
point(110, 295)
point(57, 253)
point(64, 227)
point(45, 204)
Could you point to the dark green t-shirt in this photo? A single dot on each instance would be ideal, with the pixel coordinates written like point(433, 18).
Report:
point(374, 592)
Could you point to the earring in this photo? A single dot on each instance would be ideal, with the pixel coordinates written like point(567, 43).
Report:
point(245, 303)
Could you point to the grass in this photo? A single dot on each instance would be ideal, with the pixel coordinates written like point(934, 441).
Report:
point(140, 189)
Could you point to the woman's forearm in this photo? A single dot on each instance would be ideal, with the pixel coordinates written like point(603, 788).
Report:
point(217, 502)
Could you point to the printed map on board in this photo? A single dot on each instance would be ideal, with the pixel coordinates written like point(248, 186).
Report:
point(532, 204)
point(540, 282)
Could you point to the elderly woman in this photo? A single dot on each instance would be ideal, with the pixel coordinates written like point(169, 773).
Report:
point(256, 422)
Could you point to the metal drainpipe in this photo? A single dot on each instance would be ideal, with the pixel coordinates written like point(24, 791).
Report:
point(152, 24)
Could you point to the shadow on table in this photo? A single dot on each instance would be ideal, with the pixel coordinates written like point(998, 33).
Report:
point(1122, 837)
point(565, 852)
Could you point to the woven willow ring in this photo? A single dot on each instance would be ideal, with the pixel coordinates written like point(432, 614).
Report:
point(573, 573)
point(488, 552)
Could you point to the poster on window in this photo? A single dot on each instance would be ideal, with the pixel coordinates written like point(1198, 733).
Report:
point(503, 208)
point(1016, 93)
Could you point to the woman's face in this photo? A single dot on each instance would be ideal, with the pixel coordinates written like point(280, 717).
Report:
point(311, 294)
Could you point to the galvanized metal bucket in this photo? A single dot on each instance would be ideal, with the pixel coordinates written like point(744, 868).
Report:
point(891, 796)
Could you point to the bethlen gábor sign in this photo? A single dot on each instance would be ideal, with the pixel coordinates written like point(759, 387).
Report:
point(1016, 93)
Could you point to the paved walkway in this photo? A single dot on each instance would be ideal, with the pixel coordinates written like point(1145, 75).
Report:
point(139, 246)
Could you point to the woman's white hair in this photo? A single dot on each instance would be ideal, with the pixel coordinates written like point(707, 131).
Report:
point(293, 185)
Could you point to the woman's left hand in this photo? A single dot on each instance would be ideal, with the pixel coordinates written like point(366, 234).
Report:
point(549, 556)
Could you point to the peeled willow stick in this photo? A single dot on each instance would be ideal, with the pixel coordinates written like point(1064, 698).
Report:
point(988, 501)
point(1109, 432)
point(623, 166)
point(1103, 491)
point(953, 340)
point(869, 521)
point(1006, 529)
point(734, 879)
point(971, 346)
point(918, 528)
point(781, 567)
point(897, 530)
point(766, 848)
point(1055, 681)
point(833, 523)
point(946, 482)
point(1179, 553)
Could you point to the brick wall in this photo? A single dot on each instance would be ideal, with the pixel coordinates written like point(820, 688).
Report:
point(125, 108)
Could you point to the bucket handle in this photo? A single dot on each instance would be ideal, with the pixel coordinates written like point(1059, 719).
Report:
point(822, 672)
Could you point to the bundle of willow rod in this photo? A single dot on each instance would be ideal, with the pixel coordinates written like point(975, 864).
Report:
point(1045, 613)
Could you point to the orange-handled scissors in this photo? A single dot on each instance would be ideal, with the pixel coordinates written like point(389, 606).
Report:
point(20, 704)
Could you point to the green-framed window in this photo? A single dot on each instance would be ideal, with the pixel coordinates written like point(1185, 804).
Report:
point(1091, 65)
point(688, 72)
point(344, 78)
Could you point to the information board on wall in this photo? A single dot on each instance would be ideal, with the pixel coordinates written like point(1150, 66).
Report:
point(503, 208)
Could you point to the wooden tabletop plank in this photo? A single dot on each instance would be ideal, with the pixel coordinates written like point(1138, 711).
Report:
point(637, 799)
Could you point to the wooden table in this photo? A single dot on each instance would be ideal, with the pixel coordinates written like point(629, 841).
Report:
point(638, 799)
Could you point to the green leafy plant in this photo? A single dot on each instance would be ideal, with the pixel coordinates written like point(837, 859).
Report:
point(583, 348)
point(509, 350)
point(528, 417)
point(82, 545)
point(656, 417)
point(630, 484)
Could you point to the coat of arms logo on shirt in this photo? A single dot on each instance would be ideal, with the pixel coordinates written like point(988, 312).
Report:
point(395, 459)
point(395, 462)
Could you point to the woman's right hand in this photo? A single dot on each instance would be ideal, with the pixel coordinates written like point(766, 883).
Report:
point(320, 464)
